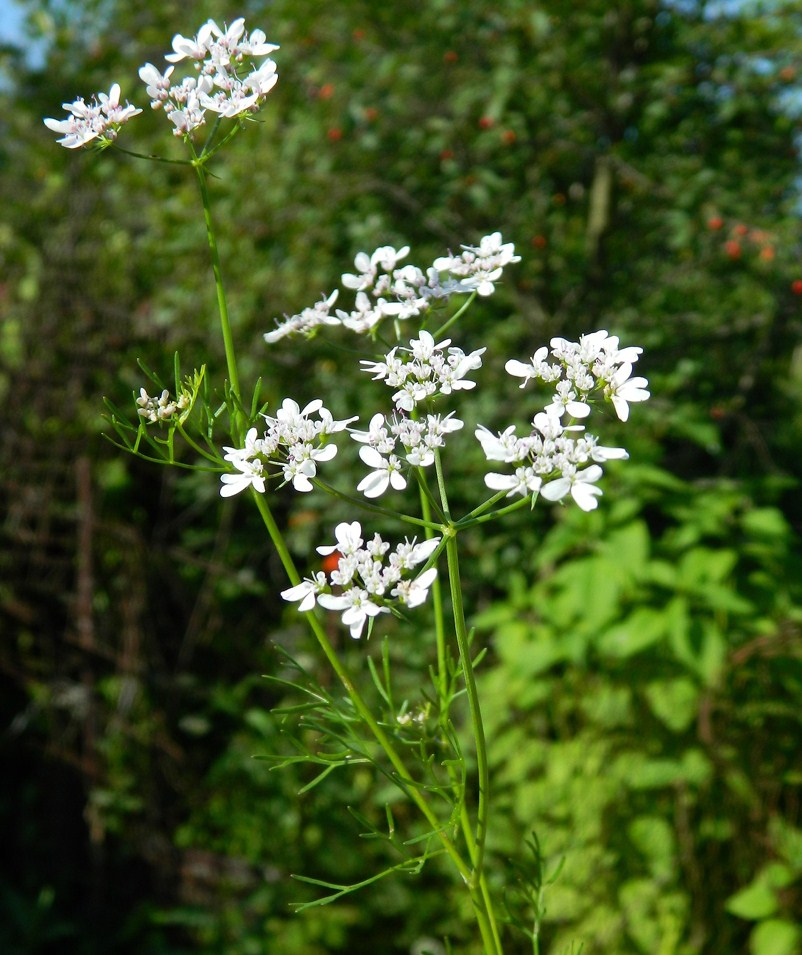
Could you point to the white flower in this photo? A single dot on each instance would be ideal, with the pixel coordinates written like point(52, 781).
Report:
point(385, 257)
point(505, 446)
point(100, 118)
point(195, 48)
point(307, 321)
point(414, 592)
point(387, 472)
point(565, 401)
point(479, 267)
point(157, 85)
point(581, 486)
point(293, 442)
point(371, 576)
point(349, 539)
point(357, 607)
point(223, 83)
point(377, 436)
point(624, 390)
point(523, 482)
point(306, 591)
point(251, 475)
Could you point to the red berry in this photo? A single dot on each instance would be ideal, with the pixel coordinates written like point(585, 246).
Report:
point(508, 137)
point(714, 223)
point(796, 286)
point(335, 134)
point(485, 122)
point(733, 249)
point(450, 56)
point(539, 241)
point(740, 229)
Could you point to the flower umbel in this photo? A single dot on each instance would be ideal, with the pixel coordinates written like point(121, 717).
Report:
point(557, 459)
point(99, 119)
point(293, 442)
point(371, 578)
point(221, 82)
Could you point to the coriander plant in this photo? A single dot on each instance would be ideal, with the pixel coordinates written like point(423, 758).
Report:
point(401, 313)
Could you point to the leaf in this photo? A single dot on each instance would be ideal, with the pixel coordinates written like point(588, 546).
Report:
point(673, 702)
point(643, 628)
point(756, 901)
point(775, 937)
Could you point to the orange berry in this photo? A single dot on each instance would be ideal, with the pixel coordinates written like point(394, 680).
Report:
point(485, 122)
point(326, 91)
point(733, 249)
point(508, 136)
point(450, 56)
point(714, 223)
point(331, 561)
point(767, 253)
point(335, 134)
point(740, 229)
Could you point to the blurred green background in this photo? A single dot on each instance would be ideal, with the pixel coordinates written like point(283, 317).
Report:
point(644, 681)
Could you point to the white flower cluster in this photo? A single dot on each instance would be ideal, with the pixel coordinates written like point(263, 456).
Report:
point(582, 367)
point(386, 289)
point(221, 84)
point(419, 438)
point(100, 118)
point(556, 460)
point(162, 408)
point(427, 371)
point(479, 267)
point(422, 371)
point(369, 576)
point(307, 320)
point(293, 442)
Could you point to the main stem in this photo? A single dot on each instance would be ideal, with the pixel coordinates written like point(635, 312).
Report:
point(222, 305)
point(476, 843)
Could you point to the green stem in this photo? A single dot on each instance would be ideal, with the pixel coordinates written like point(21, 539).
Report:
point(222, 305)
point(439, 620)
point(476, 844)
point(446, 325)
point(366, 505)
point(472, 519)
point(152, 156)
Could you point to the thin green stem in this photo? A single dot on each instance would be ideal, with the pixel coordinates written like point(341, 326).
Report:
point(377, 508)
point(463, 308)
point(222, 305)
point(476, 844)
point(439, 618)
point(214, 458)
point(152, 156)
point(472, 519)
